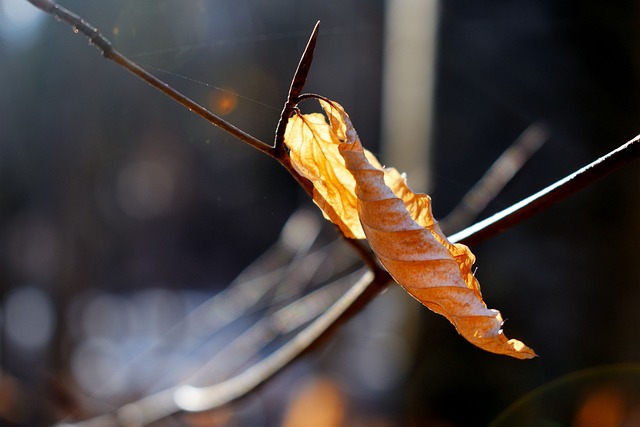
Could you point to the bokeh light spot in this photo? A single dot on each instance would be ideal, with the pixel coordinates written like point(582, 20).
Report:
point(19, 22)
point(29, 318)
point(145, 189)
point(94, 365)
point(223, 101)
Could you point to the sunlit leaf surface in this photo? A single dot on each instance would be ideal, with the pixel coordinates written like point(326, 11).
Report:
point(366, 200)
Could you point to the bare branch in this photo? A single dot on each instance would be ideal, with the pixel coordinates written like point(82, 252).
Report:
point(196, 399)
point(104, 45)
point(297, 84)
point(496, 178)
point(550, 195)
point(193, 399)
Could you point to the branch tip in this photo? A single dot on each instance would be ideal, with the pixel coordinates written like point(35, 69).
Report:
point(297, 84)
point(300, 76)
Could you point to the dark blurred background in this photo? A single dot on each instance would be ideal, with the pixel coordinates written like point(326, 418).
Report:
point(121, 211)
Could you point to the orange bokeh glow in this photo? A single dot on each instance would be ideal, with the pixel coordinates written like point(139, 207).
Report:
point(223, 101)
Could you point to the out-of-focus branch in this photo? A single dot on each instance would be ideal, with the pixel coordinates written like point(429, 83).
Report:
point(554, 193)
point(203, 398)
point(496, 178)
point(193, 399)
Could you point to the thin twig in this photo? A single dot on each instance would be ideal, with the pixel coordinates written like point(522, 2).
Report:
point(554, 193)
point(187, 398)
point(199, 399)
point(496, 178)
point(297, 84)
point(196, 399)
point(277, 151)
point(253, 341)
point(104, 45)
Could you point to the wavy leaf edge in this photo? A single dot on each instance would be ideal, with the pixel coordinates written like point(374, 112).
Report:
point(366, 200)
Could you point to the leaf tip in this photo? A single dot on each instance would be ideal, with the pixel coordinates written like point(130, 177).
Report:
point(520, 350)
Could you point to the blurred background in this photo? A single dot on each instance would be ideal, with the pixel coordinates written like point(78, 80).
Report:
point(141, 248)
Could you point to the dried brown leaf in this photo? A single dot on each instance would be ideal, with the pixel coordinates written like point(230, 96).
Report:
point(314, 153)
point(364, 199)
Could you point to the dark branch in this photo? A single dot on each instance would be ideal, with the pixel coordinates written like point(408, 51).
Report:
point(496, 178)
point(297, 84)
point(102, 43)
point(550, 195)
